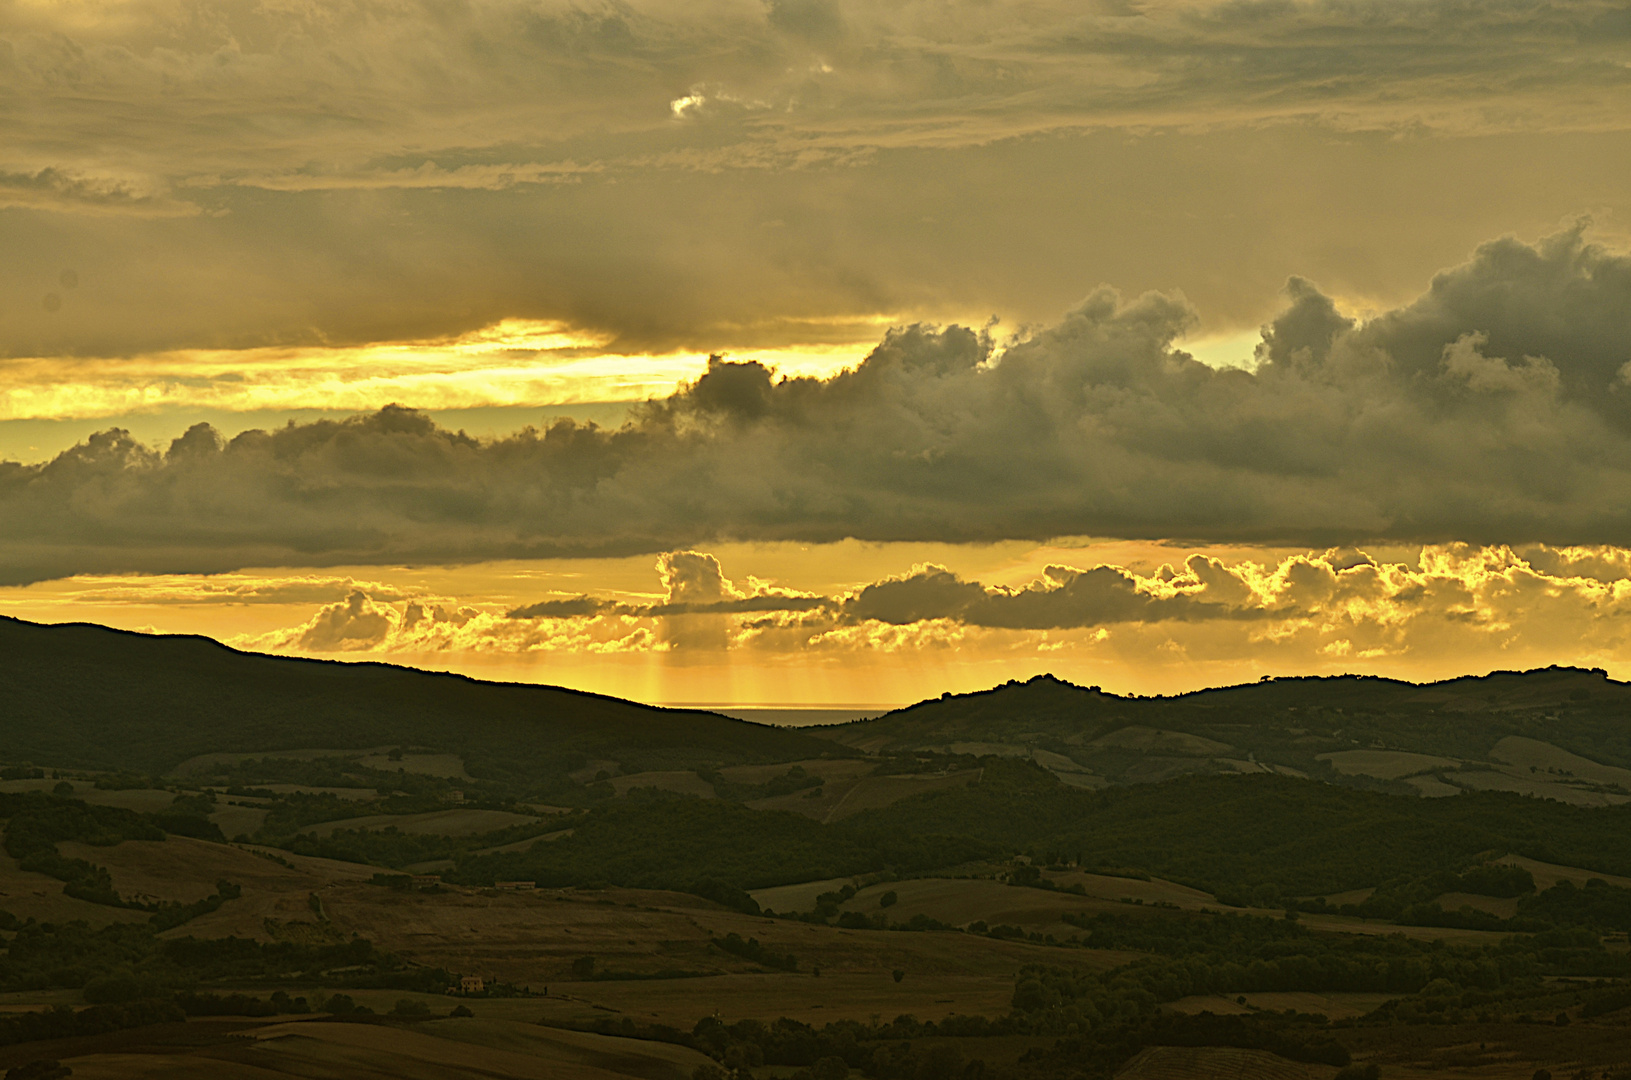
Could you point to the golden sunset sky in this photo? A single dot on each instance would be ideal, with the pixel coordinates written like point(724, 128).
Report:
point(818, 352)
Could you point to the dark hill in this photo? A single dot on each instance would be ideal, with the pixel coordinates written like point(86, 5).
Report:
point(80, 695)
point(1288, 724)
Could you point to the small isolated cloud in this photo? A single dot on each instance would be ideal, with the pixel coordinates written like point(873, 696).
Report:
point(569, 608)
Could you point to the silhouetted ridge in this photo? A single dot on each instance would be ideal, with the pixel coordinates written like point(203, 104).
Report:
point(89, 696)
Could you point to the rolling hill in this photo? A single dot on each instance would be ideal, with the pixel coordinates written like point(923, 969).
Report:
point(1036, 866)
point(1557, 733)
point(84, 696)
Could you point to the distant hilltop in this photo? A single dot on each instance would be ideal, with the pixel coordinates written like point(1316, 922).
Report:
point(1556, 732)
point(87, 696)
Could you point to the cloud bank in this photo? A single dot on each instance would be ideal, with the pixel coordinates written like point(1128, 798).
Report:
point(1450, 608)
point(1493, 409)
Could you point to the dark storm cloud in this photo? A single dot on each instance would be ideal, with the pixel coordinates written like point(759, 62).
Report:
point(1493, 409)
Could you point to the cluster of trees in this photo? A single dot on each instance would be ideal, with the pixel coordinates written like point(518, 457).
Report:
point(123, 1004)
point(170, 915)
point(1101, 1052)
point(389, 846)
point(37, 823)
point(750, 949)
point(1229, 954)
point(883, 1051)
point(1597, 905)
point(66, 1022)
point(129, 961)
point(909, 1049)
point(796, 778)
point(348, 771)
point(1412, 902)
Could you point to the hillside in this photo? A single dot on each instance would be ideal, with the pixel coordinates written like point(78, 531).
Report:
point(1558, 733)
point(87, 696)
point(1039, 882)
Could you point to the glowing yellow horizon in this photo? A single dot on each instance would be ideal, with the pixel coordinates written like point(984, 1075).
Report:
point(513, 362)
point(1422, 614)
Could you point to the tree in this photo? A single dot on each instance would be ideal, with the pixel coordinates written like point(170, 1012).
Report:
point(830, 1068)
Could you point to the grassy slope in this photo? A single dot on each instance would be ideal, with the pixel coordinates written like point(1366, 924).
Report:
point(87, 696)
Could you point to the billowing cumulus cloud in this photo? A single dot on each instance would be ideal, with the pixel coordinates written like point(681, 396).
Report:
point(1493, 409)
point(361, 623)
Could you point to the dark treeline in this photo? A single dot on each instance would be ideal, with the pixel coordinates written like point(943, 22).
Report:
point(36, 823)
point(128, 961)
point(1415, 902)
point(909, 1049)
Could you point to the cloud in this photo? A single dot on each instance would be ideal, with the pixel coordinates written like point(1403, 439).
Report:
point(1482, 412)
point(1065, 598)
point(364, 624)
point(1447, 608)
point(355, 623)
point(228, 590)
point(231, 174)
point(693, 583)
point(55, 190)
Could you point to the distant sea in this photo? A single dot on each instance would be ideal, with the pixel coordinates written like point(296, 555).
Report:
point(786, 717)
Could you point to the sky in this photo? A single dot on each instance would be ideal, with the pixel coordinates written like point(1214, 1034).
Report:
point(813, 352)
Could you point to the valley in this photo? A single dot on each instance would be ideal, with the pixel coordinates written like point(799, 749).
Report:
point(1298, 877)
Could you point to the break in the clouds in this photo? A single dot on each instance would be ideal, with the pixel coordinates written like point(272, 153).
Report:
point(1495, 408)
